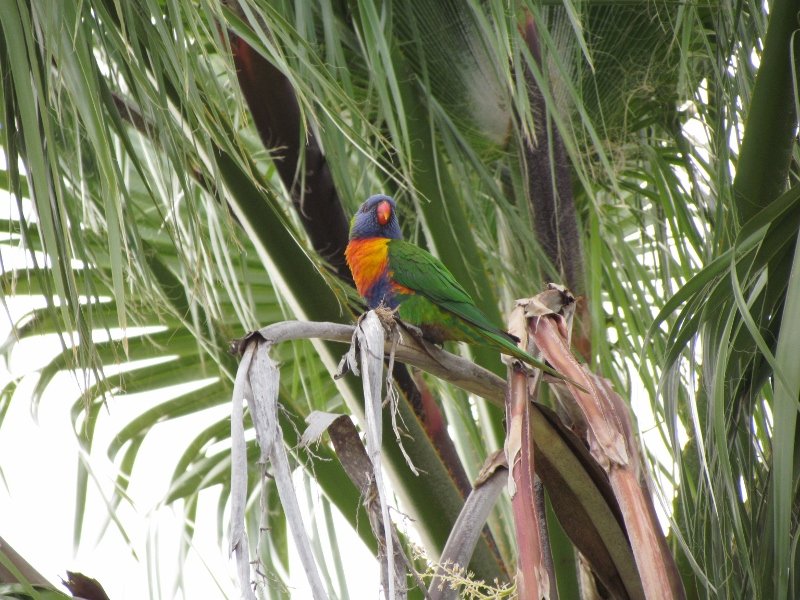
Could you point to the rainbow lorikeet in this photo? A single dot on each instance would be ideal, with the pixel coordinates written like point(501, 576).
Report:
point(399, 275)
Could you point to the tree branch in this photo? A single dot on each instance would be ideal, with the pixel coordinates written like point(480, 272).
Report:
point(448, 367)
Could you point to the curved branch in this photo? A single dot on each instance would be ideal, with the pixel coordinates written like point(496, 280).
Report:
point(583, 498)
point(448, 367)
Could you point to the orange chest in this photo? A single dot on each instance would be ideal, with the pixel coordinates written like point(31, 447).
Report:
point(368, 260)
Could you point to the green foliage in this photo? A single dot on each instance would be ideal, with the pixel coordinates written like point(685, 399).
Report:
point(149, 211)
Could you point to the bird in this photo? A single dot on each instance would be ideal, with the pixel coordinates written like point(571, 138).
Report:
point(393, 273)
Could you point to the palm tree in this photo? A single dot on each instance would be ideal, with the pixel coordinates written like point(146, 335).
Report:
point(183, 173)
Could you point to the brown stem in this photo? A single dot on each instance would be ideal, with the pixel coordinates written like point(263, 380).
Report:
point(610, 439)
point(276, 115)
point(549, 181)
point(84, 587)
point(533, 579)
point(351, 453)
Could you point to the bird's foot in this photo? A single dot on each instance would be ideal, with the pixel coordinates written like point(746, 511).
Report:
point(419, 336)
point(387, 317)
point(414, 331)
point(349, 361)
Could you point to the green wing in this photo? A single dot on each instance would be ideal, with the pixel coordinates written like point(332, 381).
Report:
point(425, 274)
point(422, 272)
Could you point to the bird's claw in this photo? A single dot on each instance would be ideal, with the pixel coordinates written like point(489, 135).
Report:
point(387, 317)
point(419, 337)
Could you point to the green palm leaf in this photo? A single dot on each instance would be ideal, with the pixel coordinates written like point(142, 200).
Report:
point(159, 220)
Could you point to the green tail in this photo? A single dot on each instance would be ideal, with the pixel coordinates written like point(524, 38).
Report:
point(509, 347)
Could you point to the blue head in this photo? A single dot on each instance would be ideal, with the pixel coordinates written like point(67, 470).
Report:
point(377, 217)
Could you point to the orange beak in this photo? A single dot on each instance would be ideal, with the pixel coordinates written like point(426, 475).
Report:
point(384, 212)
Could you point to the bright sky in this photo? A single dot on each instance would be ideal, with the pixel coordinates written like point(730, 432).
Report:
point(37, 500)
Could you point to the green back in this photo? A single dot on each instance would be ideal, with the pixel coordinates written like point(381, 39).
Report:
point(425, 274)
point(422, 272)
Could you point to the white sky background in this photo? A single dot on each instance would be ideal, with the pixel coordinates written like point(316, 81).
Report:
point(39, 459)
